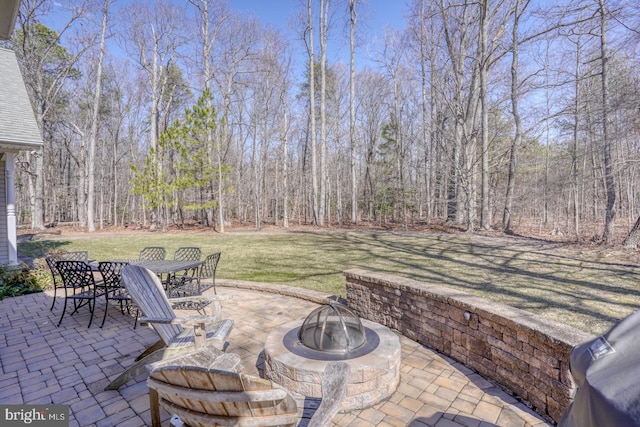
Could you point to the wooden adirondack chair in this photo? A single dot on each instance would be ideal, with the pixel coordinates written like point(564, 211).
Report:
point(203, 389)
point(177, 334)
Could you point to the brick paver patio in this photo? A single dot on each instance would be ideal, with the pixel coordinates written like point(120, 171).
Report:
point(70, 365)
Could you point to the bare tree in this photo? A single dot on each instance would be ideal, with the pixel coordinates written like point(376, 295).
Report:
point(483, 65)
point(460, 30)
point(323, 36)
point(212, 14)
point(311, 134)
point(152, 37)
point(607, 143)
point(518, 10)
point(93, 136)
point(353, 19)
point(46, 65)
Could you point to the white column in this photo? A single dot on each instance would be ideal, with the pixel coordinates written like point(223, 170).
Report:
point(12, 239)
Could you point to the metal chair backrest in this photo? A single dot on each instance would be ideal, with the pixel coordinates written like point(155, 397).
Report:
point(187, 254)
point(73, 256)
point(75, 274)
point(64, 256)
point(152, 253)
point(51, 263)
point(110, 271)
point(208, 267)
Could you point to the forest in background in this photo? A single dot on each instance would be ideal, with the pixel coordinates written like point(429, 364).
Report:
point(480, 114)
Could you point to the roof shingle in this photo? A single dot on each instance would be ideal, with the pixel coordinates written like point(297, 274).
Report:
point(18, 127)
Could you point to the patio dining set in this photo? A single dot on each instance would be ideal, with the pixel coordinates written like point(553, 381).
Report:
point(190, 347)
point(82, 281)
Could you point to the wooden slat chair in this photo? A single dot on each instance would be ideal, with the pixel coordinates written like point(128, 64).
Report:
point(203, 389)
point(177, 334)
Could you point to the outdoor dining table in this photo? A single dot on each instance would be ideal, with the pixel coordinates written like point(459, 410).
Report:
point(166, 269)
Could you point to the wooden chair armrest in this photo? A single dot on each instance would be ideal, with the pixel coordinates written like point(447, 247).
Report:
point(182, 321)
point(215, 309)
point(334, 388)
point(199, 298)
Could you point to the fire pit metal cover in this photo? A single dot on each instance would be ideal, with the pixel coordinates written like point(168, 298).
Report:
point(332, 328)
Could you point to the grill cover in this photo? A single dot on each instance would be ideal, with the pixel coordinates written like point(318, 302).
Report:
point(607, 373)
point(332, 328)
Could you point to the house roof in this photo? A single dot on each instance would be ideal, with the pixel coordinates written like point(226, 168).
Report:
point(8, 13)
point(18, 127)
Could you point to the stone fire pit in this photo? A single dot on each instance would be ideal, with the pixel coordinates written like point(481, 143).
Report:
point(374, 368)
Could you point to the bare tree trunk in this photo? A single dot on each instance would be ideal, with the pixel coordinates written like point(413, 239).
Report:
point(285, 166)
point(352, 109)
point(428, 115)
point(93, 135)
point(256, 182)
point(574, 142)
point(515, 97)
point(312, 118)
point(485, 217)
point(323, 29)
point(38, 199)
point(608, 161)
point(220, 183)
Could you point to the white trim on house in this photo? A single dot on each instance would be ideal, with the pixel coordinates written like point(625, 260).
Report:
point(8, 14)
point(5, 251)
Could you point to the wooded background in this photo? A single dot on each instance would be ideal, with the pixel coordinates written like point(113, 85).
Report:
point(482, 113)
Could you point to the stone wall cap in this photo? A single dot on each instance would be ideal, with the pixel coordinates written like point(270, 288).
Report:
point(546, 329)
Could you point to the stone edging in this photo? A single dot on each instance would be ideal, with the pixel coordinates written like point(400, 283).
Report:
point(523, 352)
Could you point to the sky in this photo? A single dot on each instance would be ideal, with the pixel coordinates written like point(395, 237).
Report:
point(374, 16)
point(377, 13)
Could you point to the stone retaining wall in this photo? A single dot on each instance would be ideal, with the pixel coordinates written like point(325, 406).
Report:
point(523, 352)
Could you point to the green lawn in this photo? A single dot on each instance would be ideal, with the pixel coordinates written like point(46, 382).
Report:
point(586, 289)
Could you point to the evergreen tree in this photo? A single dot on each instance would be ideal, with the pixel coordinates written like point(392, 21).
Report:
point(187, 182)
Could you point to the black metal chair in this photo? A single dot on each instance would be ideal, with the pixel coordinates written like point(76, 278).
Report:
point(187, 254)
point(55, 274)
point(152, 253)
point(79, 286)
point(208, 271)
point(112, 286)
point(193, 284)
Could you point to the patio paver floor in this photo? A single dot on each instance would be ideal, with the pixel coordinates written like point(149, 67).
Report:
point(70, 365)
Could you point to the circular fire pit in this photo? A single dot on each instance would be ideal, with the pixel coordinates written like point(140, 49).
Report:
point(374, 365)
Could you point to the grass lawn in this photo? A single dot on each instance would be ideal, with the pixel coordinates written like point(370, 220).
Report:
point(589, 289)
